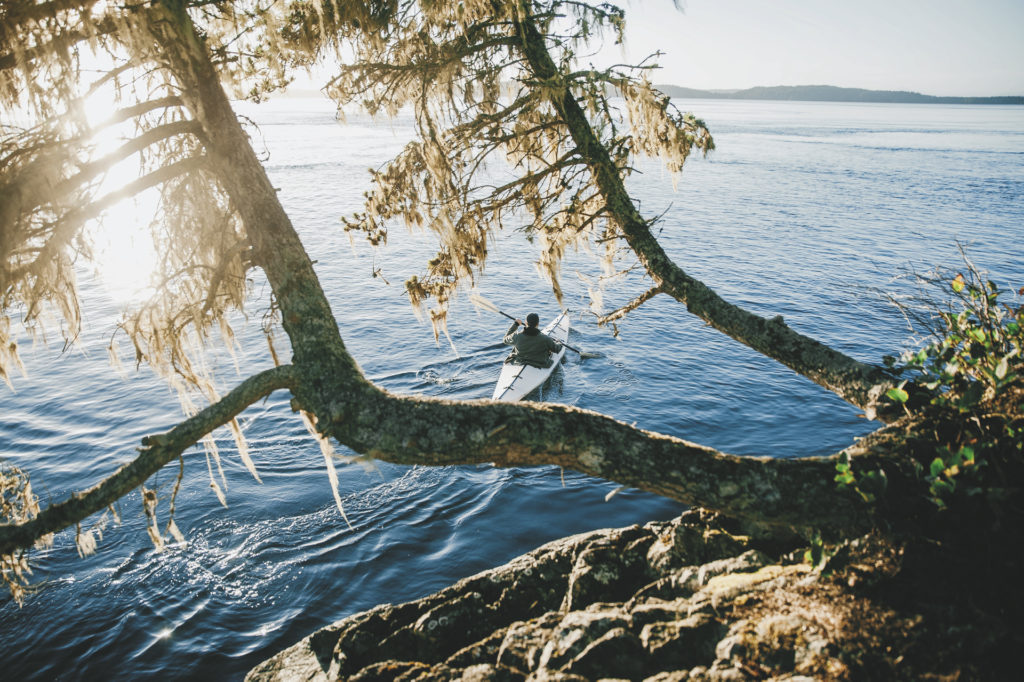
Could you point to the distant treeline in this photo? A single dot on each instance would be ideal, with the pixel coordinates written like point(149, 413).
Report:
point(830, 93)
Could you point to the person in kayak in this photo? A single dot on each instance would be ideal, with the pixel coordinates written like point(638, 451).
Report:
point(532, 347)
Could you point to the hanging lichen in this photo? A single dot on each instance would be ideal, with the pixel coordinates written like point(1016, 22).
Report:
point(492, 150)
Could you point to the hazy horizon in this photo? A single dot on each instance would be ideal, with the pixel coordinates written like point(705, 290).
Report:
point(942, 48)
point(828, 85)
point(305, 87)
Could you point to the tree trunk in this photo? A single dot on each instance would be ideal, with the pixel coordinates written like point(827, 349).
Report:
point(324, 367)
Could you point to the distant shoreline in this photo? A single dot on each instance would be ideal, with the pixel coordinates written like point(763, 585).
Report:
point(831, 93)
point(793, 93)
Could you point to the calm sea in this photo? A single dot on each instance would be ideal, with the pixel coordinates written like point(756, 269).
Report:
point(807, 210)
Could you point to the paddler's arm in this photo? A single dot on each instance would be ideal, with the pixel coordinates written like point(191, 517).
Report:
point(511, 333)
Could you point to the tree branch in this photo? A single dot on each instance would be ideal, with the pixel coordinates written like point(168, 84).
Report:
point(17, 14)
point(140, 108)
point(629, 307)
point(426, 431)
point(40, 192)
point(12, 60)
point(67, 225)
point(157, 451)
point(90, 170)
point(858, 383)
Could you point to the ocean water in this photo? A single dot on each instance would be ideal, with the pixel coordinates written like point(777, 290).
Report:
point(808, 210)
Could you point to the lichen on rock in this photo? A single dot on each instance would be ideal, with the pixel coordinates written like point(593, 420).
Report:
point(580, 608)
point(696, 598)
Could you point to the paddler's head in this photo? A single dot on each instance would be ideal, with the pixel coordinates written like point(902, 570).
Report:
point(532, 320)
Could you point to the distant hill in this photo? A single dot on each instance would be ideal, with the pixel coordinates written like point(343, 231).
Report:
point(830, 93)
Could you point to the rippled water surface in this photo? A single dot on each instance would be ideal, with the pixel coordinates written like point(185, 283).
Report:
point(803, 211)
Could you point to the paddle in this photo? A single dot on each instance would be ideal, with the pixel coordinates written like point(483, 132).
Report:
point(487, 305)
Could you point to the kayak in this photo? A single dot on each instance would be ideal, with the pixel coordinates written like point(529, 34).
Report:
point(516, 381)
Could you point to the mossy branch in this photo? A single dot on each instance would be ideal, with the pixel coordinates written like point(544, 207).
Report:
point(423, 431)
point(157, 451)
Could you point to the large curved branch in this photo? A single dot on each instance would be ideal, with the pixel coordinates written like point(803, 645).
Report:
point(67, 147)
point(157, 451)
point(775, 490)
point(856, 382)
point(90, 171)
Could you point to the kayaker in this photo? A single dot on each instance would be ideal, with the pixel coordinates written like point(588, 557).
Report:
point(532, 347)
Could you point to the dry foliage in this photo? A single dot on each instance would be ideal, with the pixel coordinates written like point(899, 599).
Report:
point(17, 504)
point(492, 150)
point(92, 120)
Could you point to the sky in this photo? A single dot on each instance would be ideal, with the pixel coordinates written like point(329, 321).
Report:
point(935, 47)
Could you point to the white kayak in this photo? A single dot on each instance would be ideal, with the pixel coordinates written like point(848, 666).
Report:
point(516, 381)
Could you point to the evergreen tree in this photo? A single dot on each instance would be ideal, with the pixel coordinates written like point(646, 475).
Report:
point(491, 82)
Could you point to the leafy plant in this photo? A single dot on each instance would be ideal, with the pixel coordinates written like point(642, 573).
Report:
point(869, 486)
point(968, 376)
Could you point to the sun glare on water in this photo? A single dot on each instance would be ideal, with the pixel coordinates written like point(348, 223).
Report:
point(124, 256)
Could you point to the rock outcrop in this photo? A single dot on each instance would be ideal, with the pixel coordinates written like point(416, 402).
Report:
point(693, 598)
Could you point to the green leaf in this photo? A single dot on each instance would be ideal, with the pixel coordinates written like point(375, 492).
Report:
point(937, 467)
point(967, 453)
point(845, 478)
point(897, 394)
point(875, 482)
point(958, 283)
point(976, 334)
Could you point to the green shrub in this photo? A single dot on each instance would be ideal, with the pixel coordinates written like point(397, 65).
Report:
point(969, 379)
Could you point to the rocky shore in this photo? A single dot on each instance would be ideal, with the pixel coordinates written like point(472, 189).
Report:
point(696, 598)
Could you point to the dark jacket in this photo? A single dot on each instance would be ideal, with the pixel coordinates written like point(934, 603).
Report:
point(530, 349)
